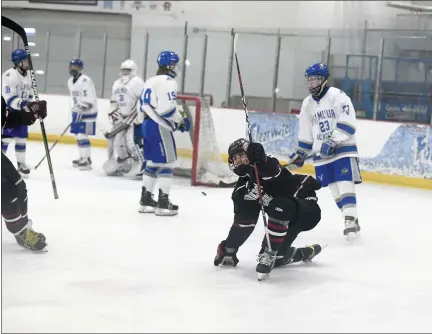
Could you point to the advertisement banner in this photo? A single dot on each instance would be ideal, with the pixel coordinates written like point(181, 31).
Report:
point(406, 151)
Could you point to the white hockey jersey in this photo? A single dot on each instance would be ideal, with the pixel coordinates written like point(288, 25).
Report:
point(158, 101)
point(84, 99)
point(125, 96)
point(333, 116)
point(16, 89)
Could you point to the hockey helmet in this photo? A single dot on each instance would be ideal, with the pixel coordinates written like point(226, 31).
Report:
point(167, 61)
point(128, 68)
point(237, 153)
point(19, 57)
point(316, 76)
point(75, 67)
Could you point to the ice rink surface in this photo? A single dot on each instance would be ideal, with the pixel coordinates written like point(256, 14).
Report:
point(111, 269)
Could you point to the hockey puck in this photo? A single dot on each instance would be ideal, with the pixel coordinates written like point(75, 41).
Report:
point(202, 192)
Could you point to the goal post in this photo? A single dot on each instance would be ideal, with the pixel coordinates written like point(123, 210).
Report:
point(199, 156)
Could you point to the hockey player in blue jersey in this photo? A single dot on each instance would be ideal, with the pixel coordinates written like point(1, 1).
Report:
point(327, 127)
point(161, 119)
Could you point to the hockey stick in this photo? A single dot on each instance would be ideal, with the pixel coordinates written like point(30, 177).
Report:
point(304, 159)
point(12, 25)
point(250, 140)
point(55, 143)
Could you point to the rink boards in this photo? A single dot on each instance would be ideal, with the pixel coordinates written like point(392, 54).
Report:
point(394, 153)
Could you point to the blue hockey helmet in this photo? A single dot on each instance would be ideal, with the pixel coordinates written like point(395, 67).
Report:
point(167, 62)
point(316, 76)
point(75, 66)
point(18, 57)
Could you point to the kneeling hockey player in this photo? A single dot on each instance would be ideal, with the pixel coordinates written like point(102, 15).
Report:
point(290, 203)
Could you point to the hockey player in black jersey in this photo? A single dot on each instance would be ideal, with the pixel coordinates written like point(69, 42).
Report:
point(14, 199)
point(290, 204)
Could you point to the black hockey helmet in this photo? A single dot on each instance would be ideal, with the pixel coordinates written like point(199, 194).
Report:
point(237, 153)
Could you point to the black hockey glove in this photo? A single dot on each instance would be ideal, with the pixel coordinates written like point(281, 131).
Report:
point(255, 153)
point(35, 110)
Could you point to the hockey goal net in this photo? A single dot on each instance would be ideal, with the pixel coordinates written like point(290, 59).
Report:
point(199, 156)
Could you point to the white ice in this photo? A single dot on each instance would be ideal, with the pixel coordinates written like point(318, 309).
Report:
point(111, 269)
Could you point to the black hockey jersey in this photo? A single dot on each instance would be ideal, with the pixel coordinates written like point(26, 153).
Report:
point(277, 181)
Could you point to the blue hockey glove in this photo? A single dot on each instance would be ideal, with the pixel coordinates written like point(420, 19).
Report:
point(185, 126)
point(296, 159)
point(328, 148)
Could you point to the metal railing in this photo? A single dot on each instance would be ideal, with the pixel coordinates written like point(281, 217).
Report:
point(386, 72)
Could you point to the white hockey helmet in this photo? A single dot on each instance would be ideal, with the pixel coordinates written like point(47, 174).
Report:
point(128, 68)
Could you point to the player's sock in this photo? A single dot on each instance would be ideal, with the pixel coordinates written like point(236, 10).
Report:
point(334, 190)
point(20, 152)
point(149, 178)
point(240, 232)
point(84, 148)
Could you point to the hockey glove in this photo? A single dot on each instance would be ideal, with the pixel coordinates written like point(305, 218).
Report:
point(255, 153)
point(35, 110)
point(328, 147)
point(185, 125)
point(296, 159)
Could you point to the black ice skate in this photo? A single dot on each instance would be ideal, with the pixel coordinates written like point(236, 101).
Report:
point(352, 228)
point(226, 256)
point(85, 164)
point(76, 162)
point(30, 239)
point(165, 207)
point(266, 264)
point(23, 169)
point(147, 203)
point(309, 252)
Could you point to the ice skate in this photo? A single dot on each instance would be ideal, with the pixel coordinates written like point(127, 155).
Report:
point(226, 256)
point(31, 239)
point(165, 207)
point(147, 203)
point(85, 164)
point(23, 169)
point(309, 252)
point(266, 264)
point(76, 162)
point(352, 228)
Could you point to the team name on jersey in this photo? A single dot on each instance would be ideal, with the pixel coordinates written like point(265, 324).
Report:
point(122, 90)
